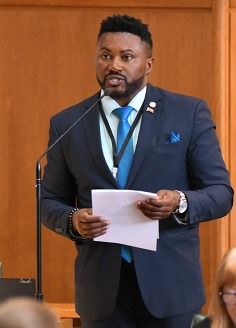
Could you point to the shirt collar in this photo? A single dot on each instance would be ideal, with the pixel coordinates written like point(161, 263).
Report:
point(110, 104)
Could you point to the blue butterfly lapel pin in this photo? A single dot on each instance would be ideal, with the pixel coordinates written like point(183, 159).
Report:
point(174, 137)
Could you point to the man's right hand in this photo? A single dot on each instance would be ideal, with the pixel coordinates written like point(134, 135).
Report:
point(88, 225)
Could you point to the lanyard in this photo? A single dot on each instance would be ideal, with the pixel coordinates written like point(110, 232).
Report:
point(117, 157)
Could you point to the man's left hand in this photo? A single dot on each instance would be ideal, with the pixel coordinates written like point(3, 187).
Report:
point(160, 207)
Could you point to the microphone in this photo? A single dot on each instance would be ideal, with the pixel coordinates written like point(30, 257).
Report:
point(39, 295)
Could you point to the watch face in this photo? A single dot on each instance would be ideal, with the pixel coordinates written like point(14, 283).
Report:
point(183, 206)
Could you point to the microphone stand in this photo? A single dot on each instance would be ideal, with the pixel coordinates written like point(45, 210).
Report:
point(39, 294)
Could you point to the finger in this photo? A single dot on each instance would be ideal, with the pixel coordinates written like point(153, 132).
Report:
point(149, 205)
point(91, 219)
point(161, 194)
point(156, 215)
point(93, 227)
point(156, 212)
point(92, 233)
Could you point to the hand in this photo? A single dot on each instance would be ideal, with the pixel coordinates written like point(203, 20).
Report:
point(162, 206)
point(89, 225)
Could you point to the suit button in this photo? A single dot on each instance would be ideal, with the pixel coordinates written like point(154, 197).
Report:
point(59, 230)
point(199, 218)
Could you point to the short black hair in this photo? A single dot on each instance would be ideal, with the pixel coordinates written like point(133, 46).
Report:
point(125, 23)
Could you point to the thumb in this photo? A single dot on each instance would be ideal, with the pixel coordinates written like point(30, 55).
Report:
point(161, 194)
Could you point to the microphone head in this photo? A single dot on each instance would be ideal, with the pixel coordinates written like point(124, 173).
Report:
point(107, 92)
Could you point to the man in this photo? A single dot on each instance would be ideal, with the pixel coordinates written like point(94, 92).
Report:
point(176, 155)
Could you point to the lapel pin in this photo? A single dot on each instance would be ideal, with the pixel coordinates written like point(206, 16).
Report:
point(149, 109)
point(152, 104)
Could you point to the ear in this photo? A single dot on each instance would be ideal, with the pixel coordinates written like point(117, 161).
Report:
point(150, 62)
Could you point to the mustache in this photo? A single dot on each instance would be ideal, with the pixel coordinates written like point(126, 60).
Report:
point(115, 74)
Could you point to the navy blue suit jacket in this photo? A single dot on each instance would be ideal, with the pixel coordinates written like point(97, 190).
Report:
point(170, 279)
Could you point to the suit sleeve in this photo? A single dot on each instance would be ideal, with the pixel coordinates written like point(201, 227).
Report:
point(58, 188)
point(211, 194)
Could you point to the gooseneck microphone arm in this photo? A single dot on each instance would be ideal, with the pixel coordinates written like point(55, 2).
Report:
point(39, 294)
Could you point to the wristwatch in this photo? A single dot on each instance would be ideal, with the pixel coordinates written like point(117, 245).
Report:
point(183, 204)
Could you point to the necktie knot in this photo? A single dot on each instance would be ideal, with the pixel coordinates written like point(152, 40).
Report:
point(123, 112)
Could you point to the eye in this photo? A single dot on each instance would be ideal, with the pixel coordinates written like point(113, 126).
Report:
point(128, 57)
point(106, 56)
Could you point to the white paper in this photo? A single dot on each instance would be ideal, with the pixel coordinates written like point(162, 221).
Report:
point(128, 225)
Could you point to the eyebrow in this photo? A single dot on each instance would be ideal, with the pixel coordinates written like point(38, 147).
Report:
point(105, 48)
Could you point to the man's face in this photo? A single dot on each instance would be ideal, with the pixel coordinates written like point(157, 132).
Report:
point(123, 62)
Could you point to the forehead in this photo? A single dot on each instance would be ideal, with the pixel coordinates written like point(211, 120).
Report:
point(120, 41)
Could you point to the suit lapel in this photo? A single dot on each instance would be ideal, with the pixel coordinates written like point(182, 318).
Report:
point(148, 130)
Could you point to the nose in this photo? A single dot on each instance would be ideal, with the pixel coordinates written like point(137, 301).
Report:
point(115, 66)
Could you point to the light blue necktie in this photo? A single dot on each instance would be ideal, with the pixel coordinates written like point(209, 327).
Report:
point(126, 160)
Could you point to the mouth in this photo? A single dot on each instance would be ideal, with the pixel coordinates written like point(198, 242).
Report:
point(115, 80)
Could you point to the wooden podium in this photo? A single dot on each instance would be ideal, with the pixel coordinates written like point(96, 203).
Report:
point(66, 313)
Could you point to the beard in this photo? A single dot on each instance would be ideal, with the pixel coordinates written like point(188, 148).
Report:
point(131, 88)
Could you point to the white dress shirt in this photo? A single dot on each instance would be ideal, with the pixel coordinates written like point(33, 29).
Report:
point(109, 105)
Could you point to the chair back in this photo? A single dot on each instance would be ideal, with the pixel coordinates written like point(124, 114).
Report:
point(196, 319)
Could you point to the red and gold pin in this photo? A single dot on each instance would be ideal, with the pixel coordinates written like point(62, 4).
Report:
point(151, 107)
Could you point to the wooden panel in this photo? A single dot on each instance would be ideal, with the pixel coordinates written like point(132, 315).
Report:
point(66, 314)
point(232, 3)
point(64, 310)
point(233, 119)
point(111, 4)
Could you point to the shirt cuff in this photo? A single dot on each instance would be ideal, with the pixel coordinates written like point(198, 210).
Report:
point(181, 219)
